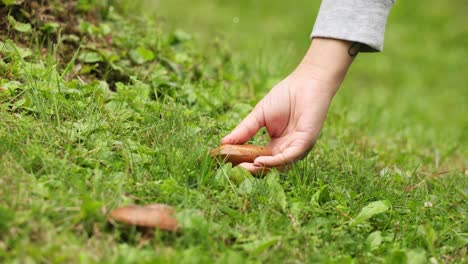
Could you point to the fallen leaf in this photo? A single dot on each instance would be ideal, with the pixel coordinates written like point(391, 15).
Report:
point(148, 216)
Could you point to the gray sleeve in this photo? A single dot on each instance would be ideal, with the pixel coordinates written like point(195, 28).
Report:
point(360, 21)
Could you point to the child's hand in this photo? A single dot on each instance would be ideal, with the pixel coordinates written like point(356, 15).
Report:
point(293, 113)
point(294, 110)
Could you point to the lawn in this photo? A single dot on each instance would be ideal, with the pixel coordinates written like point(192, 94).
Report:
point(109, 103)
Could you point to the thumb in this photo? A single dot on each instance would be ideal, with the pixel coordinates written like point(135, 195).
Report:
point(247, 128)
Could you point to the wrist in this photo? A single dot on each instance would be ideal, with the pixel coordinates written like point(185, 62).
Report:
point(326, 61)
point(303, 84)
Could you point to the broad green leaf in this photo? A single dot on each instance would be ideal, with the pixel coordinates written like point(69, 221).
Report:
point(105, 29)
point(222, 174)
point(246, 187)
point(272, 177)
point(320, 196)
point(141, 55)
point(277, 194)
point(182, 58)
point(239, 174)
point(86, 27)
point(90, 57)
point(191, 219)
point(145, 53)
point(10, 2)
point(18, 26)
point(71, 38)
point(416, 256)
point(11, 86)
point(259, 246)
point(396, 256)
point(90, 209)
point(18, 104)
point(10, 49)
point(180, 36)
point(50, 27)
point(370, 210)
point(430, 236)
point(374, 240)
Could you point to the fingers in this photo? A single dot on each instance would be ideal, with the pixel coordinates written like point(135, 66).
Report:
point(286, 157)
point(255, 170)
point(246, 129)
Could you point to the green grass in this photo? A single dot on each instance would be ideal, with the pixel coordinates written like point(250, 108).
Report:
point(132, 122)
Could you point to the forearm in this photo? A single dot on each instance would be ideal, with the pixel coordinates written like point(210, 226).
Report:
point(326, 61)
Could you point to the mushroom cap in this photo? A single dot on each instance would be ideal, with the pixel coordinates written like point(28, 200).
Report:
point(237, 154)
point(149, 216)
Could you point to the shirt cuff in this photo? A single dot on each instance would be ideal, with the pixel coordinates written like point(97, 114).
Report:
point(360, 21)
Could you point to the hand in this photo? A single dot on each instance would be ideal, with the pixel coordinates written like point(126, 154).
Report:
point(294, 110)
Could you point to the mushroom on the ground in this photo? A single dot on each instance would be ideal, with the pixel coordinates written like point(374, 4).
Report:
point(147, 217)
point(237, 154)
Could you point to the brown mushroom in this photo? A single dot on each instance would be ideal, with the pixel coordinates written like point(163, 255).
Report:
point(237, 154)
point(147, 217)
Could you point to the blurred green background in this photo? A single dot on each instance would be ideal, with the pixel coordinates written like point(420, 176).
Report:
point(417, 88)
